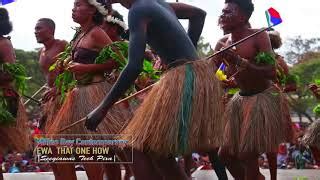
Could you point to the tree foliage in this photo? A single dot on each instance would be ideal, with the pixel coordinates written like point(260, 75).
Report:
point(300, 49)
point(29, 59)
point(302, 101)
point(204, 48)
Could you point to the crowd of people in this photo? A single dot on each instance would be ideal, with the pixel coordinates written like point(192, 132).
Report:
point(238, 121)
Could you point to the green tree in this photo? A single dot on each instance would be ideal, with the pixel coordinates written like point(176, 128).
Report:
point(299, 48)
point(204, 48)
point(29, 59)
point(302, 101)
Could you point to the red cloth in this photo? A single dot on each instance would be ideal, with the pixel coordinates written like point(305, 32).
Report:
point(282, 149)
point(36, 132)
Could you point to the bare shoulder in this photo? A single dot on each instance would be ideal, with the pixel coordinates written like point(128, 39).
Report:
point(99, 37)
point(4, 42)
point(40, 51)
point(6, 50)
point(222, 42)
point(62, 42)
point(97, 33)
point(261, 36)
point(144, 9)
point(262, 41)
point(5, 45)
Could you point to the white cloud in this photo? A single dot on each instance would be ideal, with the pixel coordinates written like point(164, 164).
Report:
point(299, 18)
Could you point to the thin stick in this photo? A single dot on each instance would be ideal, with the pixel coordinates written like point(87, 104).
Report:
point(122, 100)
point(32, 99)
point(135, 94)
point(36, 93)
point(238, 42)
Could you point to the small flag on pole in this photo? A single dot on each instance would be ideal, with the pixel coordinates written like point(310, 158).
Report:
point(4, 2)
point(220, 72)
point(273, 17)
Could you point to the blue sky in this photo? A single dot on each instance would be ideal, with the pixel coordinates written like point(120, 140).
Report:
point(299, 18)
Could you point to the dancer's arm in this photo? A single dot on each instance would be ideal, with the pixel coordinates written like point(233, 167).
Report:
point(263, 45)
point(196, 17)
point(137, 45)
point(7, 55)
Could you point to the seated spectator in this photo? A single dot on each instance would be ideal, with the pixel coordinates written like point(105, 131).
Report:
point(282, 158)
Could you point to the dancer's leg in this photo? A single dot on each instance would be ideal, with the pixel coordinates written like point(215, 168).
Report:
point(218, 166)
point(142, 166)
point(65, 171)
point(95, 171)
point(251, 166)
point(232, 163)
point(188, 164)
point(170, 169)
point(272, 160)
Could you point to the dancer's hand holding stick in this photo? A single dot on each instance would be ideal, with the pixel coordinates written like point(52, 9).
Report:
point(119, 102)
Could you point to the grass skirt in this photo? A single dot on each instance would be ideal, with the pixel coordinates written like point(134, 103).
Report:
point(49, 112)
point(257, 123)
point(181, 114)
point(16, 137)
point(80, 102)
point(312, 135)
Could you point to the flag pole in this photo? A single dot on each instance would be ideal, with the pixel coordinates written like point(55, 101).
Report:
point(238, 42)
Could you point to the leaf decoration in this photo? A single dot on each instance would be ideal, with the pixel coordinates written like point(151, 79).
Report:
point(265, 58)
point(18, 73)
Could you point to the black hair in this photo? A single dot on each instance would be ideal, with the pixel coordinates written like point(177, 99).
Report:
point(49, 22)
point(246, 6)
point(5, 24)
point(98, 17)
point(117, 15)
point(125, 35)
point(275, 39)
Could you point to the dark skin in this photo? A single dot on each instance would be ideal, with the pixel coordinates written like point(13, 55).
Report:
point(94, 38)
point(112, 31)
point(251, 80)
point(155, 23)
point(7, 55)
point(248, 50)
point(48, 54)
point(230, 83)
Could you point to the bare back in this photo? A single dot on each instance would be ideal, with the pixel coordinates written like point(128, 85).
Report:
point(164, 33)
point(7, 54)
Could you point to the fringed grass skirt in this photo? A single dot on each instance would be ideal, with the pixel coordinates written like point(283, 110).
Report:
point(49, 112)
point(181, 114)
point(16, 137)
point(257, 123)
point(312, 135)
point(80, 102)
